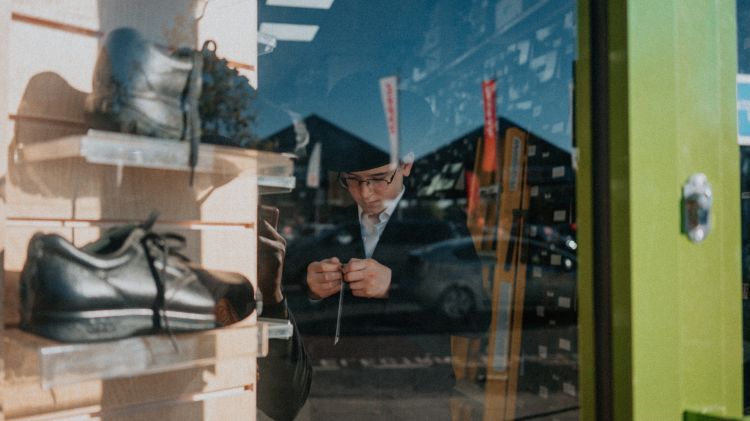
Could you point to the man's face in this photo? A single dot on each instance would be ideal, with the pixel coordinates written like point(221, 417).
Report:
point(374, 200)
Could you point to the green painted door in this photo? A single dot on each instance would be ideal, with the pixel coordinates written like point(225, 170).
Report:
point(676, 305)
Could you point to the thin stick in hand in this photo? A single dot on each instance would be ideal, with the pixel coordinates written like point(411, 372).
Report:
point(341, 307)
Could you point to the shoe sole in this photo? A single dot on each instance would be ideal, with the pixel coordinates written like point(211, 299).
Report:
point(103, 325)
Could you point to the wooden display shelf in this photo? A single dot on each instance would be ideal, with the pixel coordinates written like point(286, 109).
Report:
point(274, 171)
point(50, 363)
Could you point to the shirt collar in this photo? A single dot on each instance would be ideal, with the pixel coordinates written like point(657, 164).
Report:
point(388, 211)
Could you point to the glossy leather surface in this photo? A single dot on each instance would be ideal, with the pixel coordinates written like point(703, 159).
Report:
point(112, 280)
point(142, 88)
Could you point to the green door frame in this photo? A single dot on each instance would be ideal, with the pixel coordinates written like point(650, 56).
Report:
point(674, 313)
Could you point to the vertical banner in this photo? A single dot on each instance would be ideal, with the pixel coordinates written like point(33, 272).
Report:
point(472, 191)
point(489, 158)
point(313, 167)
point(389, 94)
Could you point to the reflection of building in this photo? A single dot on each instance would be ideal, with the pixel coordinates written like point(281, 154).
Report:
point(439, 176)
point(310, 204)
point(442, 174)
point(521, 211)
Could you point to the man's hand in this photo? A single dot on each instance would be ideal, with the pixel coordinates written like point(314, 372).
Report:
point(271, 252)
point(324, 278)
point(367, 278)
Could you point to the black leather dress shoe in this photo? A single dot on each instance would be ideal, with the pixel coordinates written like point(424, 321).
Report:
point(130, 282)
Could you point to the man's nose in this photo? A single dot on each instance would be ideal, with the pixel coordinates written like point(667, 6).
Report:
point(365, 189)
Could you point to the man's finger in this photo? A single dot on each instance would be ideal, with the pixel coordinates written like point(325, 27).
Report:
point(272, 243)
point(361, 292)
point(331, 264)
point(267, 230)
point(326, 277)
point(357, 285)
point(355, 265)
point(328, 265)
point(332, 276)
point(327, 289)
point(354, 276)
point(332, 285)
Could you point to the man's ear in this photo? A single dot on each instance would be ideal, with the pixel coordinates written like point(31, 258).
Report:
point(407, 168)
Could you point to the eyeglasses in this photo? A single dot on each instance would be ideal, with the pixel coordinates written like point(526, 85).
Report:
point(376, 184)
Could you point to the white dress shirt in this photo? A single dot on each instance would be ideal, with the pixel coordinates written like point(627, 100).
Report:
point(371, 229)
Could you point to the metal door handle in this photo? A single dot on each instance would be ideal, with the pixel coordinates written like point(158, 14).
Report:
point(697, 200)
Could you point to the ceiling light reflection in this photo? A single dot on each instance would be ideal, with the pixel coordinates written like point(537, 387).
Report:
point(290, 32)
point(308, 4)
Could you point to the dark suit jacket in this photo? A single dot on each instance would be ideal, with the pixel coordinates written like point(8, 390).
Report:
point(419, 331)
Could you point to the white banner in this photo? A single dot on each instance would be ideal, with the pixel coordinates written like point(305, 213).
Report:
point(389, 94)
point(313, 167)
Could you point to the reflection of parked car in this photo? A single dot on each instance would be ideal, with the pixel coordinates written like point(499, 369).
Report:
point(443, 283)
point(446, 278)
point(404, 236)
point(442, 275)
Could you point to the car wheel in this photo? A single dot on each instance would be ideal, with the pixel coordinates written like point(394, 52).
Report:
point(456, 303)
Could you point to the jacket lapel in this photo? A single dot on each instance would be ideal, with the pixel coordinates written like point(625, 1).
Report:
point(386, 238)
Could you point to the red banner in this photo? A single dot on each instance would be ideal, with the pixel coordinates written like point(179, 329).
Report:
point(489, 153)
point(389, 95)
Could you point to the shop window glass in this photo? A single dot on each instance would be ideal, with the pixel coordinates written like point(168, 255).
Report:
point(478, 316)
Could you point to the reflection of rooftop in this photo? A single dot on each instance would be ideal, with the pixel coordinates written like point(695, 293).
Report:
point(300, 137)
point(441, 173)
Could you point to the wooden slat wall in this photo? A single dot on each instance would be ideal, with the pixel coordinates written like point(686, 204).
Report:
point(53, 46)
point(29, 398)
point(5, 131)
point(46, 67)
point(73, 13)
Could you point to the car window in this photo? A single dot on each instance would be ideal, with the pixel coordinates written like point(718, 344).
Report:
point(423, 232)
point(465, 251)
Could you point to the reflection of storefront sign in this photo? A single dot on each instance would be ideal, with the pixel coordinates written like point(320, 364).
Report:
point(743, 109)
point(389, 95)
point(489, 154)
point(502, 328)
point(515, 164)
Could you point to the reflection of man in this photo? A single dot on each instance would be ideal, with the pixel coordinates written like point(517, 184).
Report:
point(377, 282)
point(285, 373)
point(377, 192)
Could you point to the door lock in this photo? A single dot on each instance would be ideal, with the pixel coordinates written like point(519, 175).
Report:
point(697, 200)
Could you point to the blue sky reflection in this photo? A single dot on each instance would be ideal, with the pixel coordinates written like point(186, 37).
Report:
point(441, 50)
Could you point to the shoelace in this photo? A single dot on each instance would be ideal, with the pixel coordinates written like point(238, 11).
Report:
point(166, 245)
